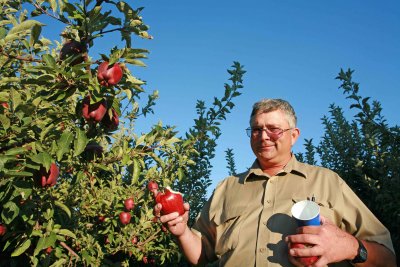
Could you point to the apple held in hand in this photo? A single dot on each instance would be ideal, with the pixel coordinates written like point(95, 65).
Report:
point(93, 112)
point(125, 217)
point(304, 260)
point(171, 201)
point(48, 178)
point(109, 75)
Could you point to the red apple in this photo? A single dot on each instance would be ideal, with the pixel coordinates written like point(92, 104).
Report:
point(93, 112)
point(129, 204)
point(152, 186)
point(111, 123)
point(125, 217)
point(93, 149)
point(109, 75)
point(134, 240)
point(49, 250)
point(73, 48)
point(5, 105)
point(3, 229)
point(48, 178)
point(304, 260)
point(101, 218)
point(171, 201)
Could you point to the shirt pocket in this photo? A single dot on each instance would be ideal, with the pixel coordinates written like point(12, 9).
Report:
point(229, 223)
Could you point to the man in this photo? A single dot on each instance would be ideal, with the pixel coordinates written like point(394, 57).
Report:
point(247, 220)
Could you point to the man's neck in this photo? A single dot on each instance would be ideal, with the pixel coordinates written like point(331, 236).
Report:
point(272, 169)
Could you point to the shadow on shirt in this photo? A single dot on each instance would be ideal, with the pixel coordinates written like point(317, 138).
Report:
point(282, 225)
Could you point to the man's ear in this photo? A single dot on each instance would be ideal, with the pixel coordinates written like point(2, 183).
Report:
point(295, 135)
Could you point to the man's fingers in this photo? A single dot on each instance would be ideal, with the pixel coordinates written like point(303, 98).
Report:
point(186, 206)
point(169, 217)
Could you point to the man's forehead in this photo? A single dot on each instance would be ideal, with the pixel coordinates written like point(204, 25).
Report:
point(275, 117)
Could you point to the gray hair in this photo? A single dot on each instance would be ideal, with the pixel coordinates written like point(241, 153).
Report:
point(268, 105)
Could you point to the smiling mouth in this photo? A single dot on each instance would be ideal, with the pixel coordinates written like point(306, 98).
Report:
point(266, 147)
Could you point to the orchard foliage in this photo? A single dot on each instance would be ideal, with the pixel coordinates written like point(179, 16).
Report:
point(205, 132)
point(74, 170)
point(365, 152)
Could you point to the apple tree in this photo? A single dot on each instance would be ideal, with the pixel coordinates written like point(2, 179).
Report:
point(76, 177)
point(364, 151)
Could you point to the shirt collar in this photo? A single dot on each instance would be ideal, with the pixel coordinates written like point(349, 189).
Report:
point(293, 166)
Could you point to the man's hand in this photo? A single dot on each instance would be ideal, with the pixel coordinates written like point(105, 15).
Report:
point(328, 242)
point(176, 224)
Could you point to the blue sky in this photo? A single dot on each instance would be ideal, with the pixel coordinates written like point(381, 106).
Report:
point(290, 49)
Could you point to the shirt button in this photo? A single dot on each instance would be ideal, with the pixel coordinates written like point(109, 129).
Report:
point(262, 250)
point(268, 201)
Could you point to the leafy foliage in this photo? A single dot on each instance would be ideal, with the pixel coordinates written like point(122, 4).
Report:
point(365, 152)
point(47, 92)
point(231, 161)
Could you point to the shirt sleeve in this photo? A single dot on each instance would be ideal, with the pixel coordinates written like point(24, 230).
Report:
point(205, 229)
point(361, 222)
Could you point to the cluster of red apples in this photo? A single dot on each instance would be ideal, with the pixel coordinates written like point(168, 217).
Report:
point(96, 112)
point(92, 112)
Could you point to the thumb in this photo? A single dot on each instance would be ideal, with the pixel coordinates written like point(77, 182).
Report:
point(323, 220)
point(186, 206)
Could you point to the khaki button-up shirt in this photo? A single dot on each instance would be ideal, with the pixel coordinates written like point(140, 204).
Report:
point(245, 221)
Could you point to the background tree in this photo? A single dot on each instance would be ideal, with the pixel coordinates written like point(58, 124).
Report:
point(230, 158)
point(73, 169)
point(206, 132)
point(365, 152)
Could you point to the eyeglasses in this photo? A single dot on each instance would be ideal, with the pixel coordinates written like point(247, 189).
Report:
point(273, 132)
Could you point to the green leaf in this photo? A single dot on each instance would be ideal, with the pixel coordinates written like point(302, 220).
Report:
point(40, 245)
point(16, 173)
point(64, 144)
point(10, 212)
point(5, 122)
point(15, 98)
point(25, 25)
point(21, 249)
point(60, 262)
point(42, 158)
point(49, 60)
point(63, 207)
point(36, 30)
point(46, 131)
point(80, 142)
point(128, 93)
point(53, 4)
point(15, 151)
point(8, 80)
point(135, 62)
point(66, 232)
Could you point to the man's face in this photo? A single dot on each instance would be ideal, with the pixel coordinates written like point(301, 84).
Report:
point(270, 150)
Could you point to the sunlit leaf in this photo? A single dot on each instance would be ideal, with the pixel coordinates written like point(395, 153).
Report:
point(21, 249)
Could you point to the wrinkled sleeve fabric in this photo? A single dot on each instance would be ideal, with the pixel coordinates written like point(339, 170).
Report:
point(361, 222)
